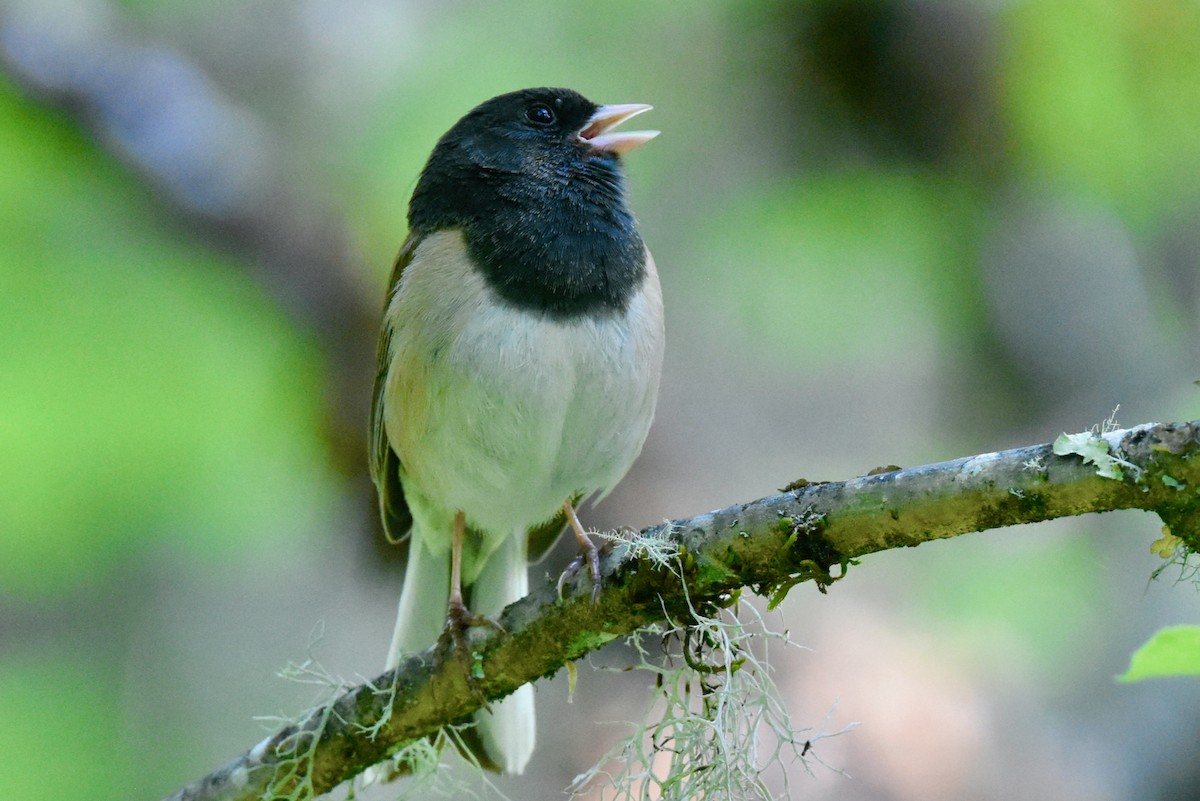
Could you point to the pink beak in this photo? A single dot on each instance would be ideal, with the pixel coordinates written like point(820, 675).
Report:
point(599, 134)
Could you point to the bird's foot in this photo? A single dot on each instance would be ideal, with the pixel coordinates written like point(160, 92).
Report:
point(459, 619)
point(589, 554)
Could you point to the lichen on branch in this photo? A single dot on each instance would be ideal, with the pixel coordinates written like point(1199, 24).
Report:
point(811, 531)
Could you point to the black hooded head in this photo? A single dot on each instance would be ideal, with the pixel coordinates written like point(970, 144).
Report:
point(543, 211)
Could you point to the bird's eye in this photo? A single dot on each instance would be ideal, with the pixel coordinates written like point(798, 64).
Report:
point(539, 114)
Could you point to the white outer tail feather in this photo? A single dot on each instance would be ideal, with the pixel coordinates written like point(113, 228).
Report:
point(509, 730)
point(424, 600)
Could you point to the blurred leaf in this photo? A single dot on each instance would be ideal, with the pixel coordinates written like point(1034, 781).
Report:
point(1172, 651)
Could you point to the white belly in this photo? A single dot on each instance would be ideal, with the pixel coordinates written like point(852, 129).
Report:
point(504, 415)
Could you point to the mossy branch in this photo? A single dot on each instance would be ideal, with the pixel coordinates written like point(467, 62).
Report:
point(770, 544)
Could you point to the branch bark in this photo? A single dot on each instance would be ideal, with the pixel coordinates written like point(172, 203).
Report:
point(769, 545)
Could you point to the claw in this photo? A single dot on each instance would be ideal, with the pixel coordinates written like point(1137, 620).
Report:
point(569, 573)
point(454, 638)
point(588, 552)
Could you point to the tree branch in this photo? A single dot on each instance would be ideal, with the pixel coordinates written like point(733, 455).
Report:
point(769, 545)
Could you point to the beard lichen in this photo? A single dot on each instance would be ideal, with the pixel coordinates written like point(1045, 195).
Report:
point(716, 725)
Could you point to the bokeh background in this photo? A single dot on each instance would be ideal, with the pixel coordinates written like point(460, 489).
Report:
point(889, 231)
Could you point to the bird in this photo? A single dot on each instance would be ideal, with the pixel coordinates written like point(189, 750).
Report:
point(518, 365)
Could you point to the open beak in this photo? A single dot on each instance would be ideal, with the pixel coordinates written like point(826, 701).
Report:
point(599, 135)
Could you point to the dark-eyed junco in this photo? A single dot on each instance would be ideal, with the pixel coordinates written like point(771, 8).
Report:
point(518, 365)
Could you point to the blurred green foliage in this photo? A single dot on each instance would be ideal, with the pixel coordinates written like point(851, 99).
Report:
point(1031, 598)
point(1172, 651)
point(151, 398)
point(888, 243)
point(1104, 98)
point(150, 392)
point(58, 738)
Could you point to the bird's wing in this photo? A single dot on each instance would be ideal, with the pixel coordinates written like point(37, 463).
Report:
point(385, 462)
point(541, 538)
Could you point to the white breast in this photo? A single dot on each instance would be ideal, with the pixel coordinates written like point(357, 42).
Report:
point(505, 414)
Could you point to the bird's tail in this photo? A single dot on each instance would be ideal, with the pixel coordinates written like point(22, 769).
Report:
point(509, 729)
point(424, 599)
point(421, 617)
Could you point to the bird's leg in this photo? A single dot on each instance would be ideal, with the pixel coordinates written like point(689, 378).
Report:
point(458, 617)
point(457, 607)
point(587, 553)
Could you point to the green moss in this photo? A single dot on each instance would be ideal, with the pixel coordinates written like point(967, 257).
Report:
point(585, 642)
point(1173, 483)
point(712, 572)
